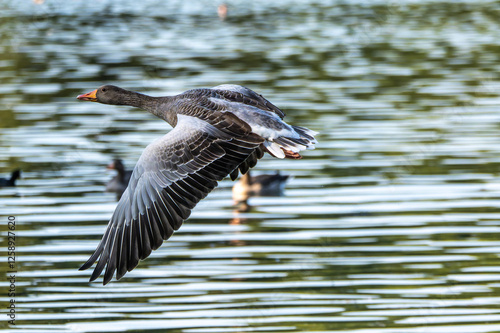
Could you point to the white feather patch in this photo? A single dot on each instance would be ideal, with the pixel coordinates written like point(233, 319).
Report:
point(274, 149)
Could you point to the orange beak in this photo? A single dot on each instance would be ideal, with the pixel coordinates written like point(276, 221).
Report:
point(91, 96)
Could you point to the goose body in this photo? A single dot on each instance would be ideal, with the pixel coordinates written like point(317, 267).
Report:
point(216, 132)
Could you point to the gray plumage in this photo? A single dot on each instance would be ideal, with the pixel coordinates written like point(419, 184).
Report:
point(217, 132)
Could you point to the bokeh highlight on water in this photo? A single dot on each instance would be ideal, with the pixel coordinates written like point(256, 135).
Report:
point(390, 225)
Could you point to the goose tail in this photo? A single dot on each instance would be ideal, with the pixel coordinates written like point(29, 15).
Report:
point(290, 146)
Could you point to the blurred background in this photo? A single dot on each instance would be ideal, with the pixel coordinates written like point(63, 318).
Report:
point(390, 225)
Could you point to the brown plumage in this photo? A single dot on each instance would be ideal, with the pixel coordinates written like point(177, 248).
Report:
point(217, 132)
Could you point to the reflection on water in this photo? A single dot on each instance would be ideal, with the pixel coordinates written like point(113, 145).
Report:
point(390, 225)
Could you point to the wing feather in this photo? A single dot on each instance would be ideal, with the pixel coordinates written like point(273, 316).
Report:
point(173, 174)
point(236, 93)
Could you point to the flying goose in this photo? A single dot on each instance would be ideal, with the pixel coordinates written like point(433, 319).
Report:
point(216, 132)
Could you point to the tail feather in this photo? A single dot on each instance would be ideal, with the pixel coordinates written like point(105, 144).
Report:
point(288, 146)
point(274, 149)
point(306, 133)
point(293, 145)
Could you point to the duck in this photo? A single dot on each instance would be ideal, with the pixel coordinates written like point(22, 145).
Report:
point(265, 185)
point(120, 182)
point(217, 132)
point(9, 182)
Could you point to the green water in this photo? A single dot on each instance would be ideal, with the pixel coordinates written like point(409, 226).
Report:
point(391, 225)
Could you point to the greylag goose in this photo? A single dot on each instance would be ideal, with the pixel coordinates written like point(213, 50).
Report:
point(120, 182)
point(216, 132)
point(6, 182)
point(267, 185)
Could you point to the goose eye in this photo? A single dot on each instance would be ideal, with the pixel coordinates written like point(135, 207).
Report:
point(104, 89)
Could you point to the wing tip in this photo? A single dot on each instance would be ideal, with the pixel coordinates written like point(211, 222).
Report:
point(88, 264)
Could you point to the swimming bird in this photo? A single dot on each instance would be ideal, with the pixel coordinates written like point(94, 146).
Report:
point(4, 182)
point(119, 182)
point(266, 185)
point(216, 132)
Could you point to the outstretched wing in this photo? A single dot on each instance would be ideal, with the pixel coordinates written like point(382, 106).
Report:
point(173, 174)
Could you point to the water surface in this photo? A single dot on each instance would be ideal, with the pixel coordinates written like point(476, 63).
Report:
point(390, 225)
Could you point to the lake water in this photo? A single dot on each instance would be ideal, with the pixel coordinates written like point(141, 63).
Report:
point(391, 225)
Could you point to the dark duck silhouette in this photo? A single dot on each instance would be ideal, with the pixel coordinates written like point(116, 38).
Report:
point(266, 185)
point(216, 132)
point(9, 182)
point(119, 182)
